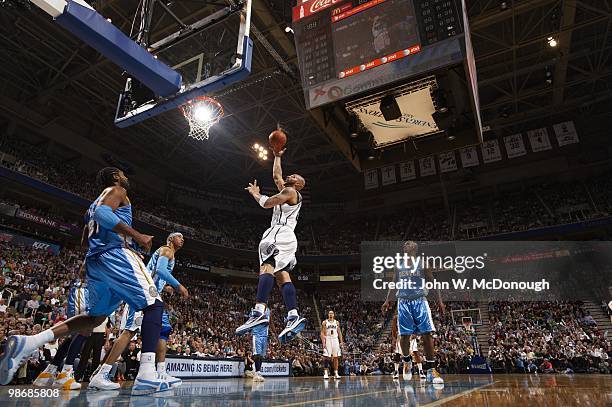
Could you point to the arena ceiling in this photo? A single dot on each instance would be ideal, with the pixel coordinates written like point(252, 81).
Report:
point(47, 69)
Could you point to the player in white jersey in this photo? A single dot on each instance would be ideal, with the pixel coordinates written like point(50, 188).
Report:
point(277, 250)
point(331, 337)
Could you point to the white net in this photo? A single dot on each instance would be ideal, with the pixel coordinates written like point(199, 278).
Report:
point(201, 113)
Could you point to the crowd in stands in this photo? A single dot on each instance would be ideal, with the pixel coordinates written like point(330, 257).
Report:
point(532, 207)
point(548, 337)
point(525, 337)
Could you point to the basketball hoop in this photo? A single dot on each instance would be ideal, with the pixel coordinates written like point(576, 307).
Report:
point(467, 325)
point(201, 113)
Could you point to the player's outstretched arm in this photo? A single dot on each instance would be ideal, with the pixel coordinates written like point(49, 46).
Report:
point(161, 269)
point(104, 216)
point(277, 171)
point(270, 202)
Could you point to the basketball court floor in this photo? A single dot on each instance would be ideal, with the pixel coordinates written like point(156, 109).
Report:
point(459, 390)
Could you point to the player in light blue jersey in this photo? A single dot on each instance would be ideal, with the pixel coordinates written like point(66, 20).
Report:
point(160, 268)
point(413, 312)
point(115, 273)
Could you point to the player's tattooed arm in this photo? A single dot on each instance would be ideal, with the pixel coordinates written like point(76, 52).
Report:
point(277, 171)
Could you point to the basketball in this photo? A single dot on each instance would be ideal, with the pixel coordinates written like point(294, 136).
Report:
point(277, 139)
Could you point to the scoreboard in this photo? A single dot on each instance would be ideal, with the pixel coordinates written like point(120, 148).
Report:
point(349, 47)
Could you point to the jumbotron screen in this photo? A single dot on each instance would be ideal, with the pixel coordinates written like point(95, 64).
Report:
point(338, 40)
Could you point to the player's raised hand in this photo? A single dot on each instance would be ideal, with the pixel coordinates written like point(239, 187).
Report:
point(253, 188)
point(279, 153)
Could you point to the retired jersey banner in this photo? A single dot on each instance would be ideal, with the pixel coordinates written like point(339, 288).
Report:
point(538, 138)
point(447, 161)
point(491, 151)
point(427, 166)
point(388, 175)
point(469, 157)
point(371, 178)
point(515, 146)
point(407, 171)
point(566, 133)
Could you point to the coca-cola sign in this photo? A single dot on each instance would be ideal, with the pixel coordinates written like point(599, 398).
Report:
point(321, 4)
point(308, 8)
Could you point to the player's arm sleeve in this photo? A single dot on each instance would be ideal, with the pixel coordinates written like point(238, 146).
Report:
point(162, 271)
point(105, 217)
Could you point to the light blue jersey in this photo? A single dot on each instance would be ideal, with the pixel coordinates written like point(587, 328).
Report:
point(152, 266)
point(115, 272)
point(407, 273)
point(101, 239)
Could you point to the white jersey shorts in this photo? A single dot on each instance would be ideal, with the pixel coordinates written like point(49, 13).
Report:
point(278, 247)
point(332, 348)
point(414, 346)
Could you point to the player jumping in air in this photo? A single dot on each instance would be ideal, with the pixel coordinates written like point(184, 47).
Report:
point(115, 273)
point(413, 313)
point(160, 267)
point(277, 251)
point(331, 338)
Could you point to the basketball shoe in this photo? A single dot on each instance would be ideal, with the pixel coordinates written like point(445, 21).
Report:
point(46, 377)
point(295, 324)
point(257, 377)
point(255, 318)
point(100, 380)
point(65, 380)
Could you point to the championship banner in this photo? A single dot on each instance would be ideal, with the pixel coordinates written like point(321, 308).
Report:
point(447, 161)
point(469, 157)
point(203, 368)
point(407, 171)
point(566, 133)
point(515, 146)
point(538, 138)
point(427, 166)
point(388, 175)
point(371, 178)
point(491, 151)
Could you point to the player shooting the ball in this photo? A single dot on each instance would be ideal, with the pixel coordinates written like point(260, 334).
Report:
point(278, 245)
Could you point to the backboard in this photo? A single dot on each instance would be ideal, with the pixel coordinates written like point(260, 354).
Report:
point(211, 49)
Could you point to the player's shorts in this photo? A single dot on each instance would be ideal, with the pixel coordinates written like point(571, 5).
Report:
point(278, 247)
point(132, 321)
point(260, 339)
point(118, 275)
point(78, 302)
point(414, 317)
point(332, 348)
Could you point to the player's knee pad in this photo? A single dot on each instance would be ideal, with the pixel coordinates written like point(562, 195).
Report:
point(397, 357)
